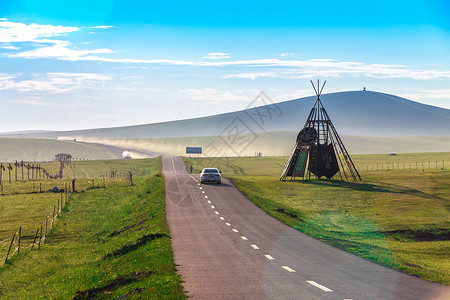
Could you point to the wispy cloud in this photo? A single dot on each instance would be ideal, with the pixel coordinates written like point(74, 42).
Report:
point(217, 55)
point(13, 32)
point(215, 96)
point(102, 27)
point(46, 45)
point(54, 83)
point(31, 102)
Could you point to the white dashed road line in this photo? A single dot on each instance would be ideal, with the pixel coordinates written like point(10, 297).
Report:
point(212, 206)
point(203, 192)
point(244, 238)
point(288, 269)
point(222, 218)
point(255, 247)
point(228, 224)
point(323, 288)
point(209, 202)
point(235, 230)
point(206, 197)
point(269, 257)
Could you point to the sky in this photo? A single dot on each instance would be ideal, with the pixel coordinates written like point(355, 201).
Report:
point(79, 64)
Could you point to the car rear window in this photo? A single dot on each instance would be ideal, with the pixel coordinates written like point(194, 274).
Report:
point(211, 171)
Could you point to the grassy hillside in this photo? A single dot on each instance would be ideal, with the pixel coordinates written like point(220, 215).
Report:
point(107, 243)
point(399, 218)
point(277, 143)
point(45, 150)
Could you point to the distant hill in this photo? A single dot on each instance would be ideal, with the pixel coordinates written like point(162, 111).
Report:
point(45, 150)
point(362, 113)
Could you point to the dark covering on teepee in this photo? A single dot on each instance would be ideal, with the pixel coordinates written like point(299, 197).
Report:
point(319, 149)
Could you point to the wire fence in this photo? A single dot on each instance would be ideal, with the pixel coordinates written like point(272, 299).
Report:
point(405, 165)
point(30, 239)
point(22, 241)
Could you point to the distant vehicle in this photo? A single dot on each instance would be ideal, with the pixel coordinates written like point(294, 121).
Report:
point(210, 175)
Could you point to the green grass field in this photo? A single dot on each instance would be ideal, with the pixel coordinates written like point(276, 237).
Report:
point(107, 242)
point(399, 218)
point(45, 149)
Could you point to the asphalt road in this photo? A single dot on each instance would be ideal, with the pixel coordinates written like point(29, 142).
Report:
point(225, 247)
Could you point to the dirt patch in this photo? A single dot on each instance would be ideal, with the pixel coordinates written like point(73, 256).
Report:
point(116, 283)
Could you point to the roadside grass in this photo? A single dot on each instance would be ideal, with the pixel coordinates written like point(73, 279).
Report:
point(98, 168)
point(398, 218)
point(107, 243)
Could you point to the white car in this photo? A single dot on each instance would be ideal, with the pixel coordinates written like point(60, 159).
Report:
point(210, 175)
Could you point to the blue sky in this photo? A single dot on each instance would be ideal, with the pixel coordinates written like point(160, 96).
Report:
point(86, 64)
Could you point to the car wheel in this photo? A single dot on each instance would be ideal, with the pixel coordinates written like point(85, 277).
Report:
point(219, 182)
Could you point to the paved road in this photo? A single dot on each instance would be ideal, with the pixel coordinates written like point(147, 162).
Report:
point(227, 248)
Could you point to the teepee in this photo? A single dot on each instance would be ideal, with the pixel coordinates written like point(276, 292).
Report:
point(319, 151)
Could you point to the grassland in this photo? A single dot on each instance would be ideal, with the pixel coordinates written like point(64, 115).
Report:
point(398, 218)
point(107, 243)
point(45, 149)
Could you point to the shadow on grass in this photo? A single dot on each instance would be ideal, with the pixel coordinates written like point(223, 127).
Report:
point(369, 187)
point(139, 243)
point(96, 293)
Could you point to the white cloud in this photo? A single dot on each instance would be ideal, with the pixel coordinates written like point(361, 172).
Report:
point(217, 55)
point(287, 54)
point(29, 101)
point(102, 27)
point(253, 75)
point(54, 83)
point(215, 96)
point(58, 50)
point(46, 46)
point(11, 32)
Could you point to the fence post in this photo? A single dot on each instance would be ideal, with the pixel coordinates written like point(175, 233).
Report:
point(131, 179)
point(60, 196)
point(45, 236)
point(18, 245)
point(40, 238)
point(54, 210)
point(10, 245)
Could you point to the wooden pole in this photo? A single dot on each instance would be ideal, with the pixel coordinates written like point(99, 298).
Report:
point(40, 238)
point(18, 244)
point(45, 236)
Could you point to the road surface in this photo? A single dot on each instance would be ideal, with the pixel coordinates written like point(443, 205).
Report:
point(225, 247)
